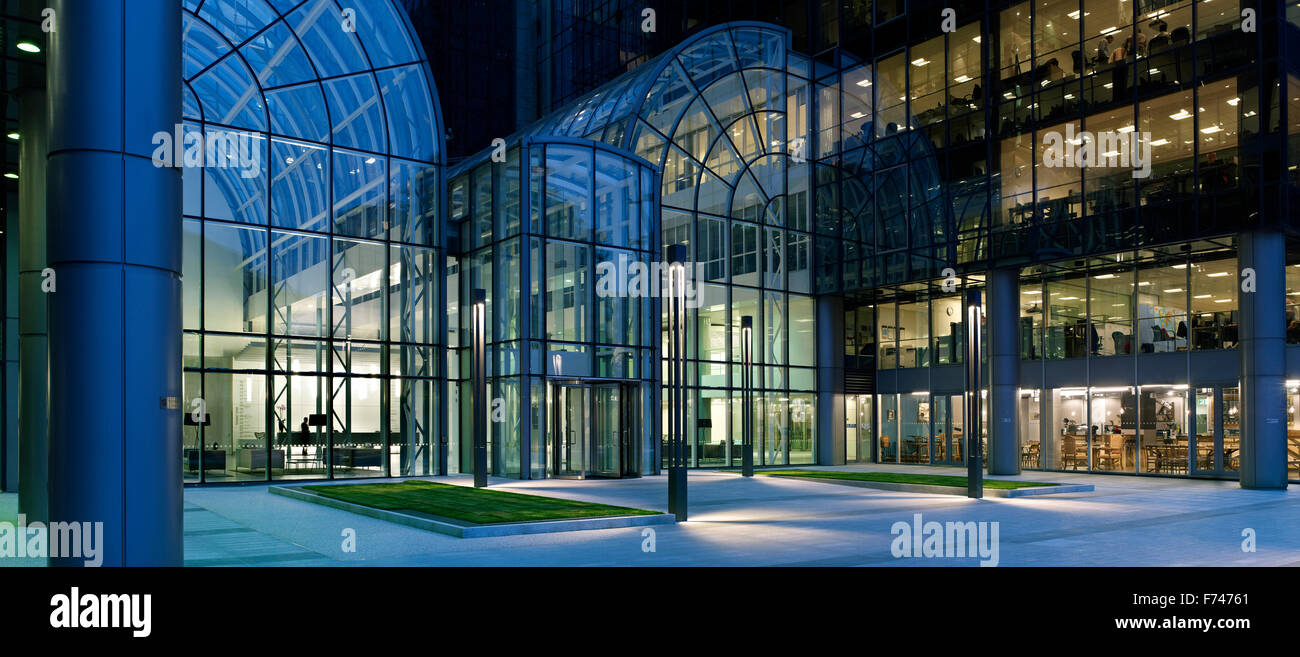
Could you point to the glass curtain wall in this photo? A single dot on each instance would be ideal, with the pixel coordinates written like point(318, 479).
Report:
point(311, 262)
point(563, 232)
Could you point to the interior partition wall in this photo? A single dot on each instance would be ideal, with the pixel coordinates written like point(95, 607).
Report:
point(313, 272)
point(562, 234)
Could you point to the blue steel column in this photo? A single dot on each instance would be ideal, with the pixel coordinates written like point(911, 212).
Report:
point(1002, 312)
point(830, 380)
point(33, 368)
point(115, 245)
point(1261, 331)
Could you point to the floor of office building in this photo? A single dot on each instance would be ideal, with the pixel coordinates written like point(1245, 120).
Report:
point(770, 521)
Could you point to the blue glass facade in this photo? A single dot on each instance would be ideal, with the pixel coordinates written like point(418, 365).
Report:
point(313, 317)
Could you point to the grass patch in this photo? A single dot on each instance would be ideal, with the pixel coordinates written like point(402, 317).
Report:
point(476, 505)
point(901, 478)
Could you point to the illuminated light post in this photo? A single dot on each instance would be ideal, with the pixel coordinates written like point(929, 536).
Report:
point(478, 381)
point(746, 393)
point(677, 422)
point(974, 448)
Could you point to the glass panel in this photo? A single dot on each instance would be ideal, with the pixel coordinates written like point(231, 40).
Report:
point(1110, 300)
point(1214, 289)
point(568, 189)
point(1162, 306)
point(889, 428)
point(1206, 419)
point(1231, 429)
point(358, 118)
point(914, 334)
point(802, 429)
point(235, 279)
point(234, 444)
point(1068, 449)
point(567, 268)
point(1029, 424)
point(1162, 419)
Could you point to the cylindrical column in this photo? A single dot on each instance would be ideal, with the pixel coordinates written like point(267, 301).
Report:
point(1002, 313)
point(1261, 331)
point(33, 291)
point(115, 246)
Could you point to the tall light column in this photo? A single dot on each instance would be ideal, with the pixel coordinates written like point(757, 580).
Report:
point(746, 392)
point(479, 384)
point(974, 450)
point(114, 231)
point(677, 419)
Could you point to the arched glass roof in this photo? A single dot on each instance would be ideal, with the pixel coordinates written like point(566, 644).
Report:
point(306, 70)
point(607, 113)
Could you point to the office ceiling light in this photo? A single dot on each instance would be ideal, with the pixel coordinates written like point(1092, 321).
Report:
point(14, 136)
point(1180, 266)
point(1182, 114)
point(1105, 276)
point(11, 176)
point(1202, 296)
point(920, 61)
point(27, 45)
point(976, 39)
point(1211, 130)
point(1126, 129)
point(961, 78)
point(1173, 290)
point(1217, 274)
point(1234, 101)
point(1160, 142)
point(865, 82)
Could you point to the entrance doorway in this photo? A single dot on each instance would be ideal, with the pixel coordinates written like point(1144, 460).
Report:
point(593, 429)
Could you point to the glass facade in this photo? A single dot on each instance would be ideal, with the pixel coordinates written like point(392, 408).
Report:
point(561, 234)
point(313, 274)
point(889, 178)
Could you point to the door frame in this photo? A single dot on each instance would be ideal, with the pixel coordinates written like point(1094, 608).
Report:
point(628, 445)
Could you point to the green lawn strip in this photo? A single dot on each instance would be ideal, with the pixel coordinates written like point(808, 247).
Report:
point(476, 505)
point(900, 478)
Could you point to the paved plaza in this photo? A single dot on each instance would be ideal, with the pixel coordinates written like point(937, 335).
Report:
point(765, 521)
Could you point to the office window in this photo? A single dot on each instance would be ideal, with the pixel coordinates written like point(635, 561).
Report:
point(1161, 305)
point(1032, 315)
point(887, 326)
point(1214, 289)
point(1066, 332)
point(891, 95)
point(1016, 41)
point(946, 317)
point(914, 334)
point(1110, 303)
